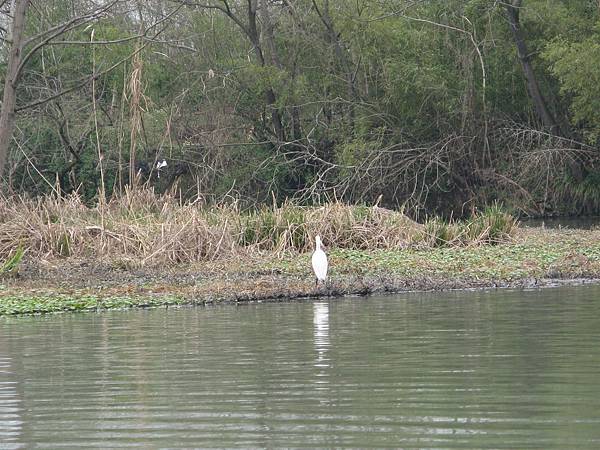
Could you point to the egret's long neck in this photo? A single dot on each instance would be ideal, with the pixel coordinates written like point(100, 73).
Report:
point(318, 245)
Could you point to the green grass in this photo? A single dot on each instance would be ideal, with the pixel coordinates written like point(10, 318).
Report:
point(527, 254)
point(10, 267)
point(542, 254)
point(492, 225)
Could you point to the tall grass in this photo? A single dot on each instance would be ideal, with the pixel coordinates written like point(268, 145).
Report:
point(492, 225)
point(10, 267)
point(143, 227)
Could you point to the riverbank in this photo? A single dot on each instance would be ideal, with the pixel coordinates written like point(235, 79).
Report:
point(534, 257)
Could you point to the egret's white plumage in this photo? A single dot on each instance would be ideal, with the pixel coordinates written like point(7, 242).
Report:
point(319, 261)
point(159, 165)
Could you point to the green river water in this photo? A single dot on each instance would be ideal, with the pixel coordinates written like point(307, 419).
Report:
point(485, 369)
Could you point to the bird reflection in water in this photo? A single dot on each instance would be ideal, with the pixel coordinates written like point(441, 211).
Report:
point(322, 361)
point(10, 406)
point(321, 332)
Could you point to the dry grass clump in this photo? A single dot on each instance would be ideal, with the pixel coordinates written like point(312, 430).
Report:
point(292, 227)
point(138, 225)
point(490, 226)
point(142, 227)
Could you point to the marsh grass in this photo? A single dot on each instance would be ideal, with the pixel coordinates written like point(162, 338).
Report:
point(10, 267)
point(292, 227)
point(492, 225)
point(141, 227)
point(582, 195)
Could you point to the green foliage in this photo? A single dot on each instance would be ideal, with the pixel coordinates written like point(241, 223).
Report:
point(272, 228)
point(42, 304)
point(372, 103)
point(493, 225)
point(10, 267)
point(575, 65)
point(582, 196)
point(441, 233)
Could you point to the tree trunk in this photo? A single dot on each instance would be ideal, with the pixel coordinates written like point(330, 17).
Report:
point(269, 35)
point(343, 60)
point(539, 103)
point(9, 99)
point(271, 98)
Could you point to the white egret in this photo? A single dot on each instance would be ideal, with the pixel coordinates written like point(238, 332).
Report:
point(319, 261)
point(159, 165)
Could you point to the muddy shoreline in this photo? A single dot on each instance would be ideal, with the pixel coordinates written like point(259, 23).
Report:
point(44, 287)
point(533, 259)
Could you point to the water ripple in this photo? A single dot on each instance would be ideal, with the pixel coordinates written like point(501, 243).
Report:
point(453, 370)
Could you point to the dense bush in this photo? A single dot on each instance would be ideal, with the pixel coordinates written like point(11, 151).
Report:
point(419, 105)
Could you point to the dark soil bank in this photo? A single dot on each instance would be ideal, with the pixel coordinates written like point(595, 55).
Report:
point(534, 258)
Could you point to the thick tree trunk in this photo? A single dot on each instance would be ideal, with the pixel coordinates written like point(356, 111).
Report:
point(9, 98)
point(533, 88)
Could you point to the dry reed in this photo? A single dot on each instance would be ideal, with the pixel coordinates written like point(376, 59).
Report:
point(142, 227)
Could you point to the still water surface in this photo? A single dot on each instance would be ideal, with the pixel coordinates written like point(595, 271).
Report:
point(497, 369)
point(573, 223)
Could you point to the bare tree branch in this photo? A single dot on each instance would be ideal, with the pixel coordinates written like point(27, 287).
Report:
point(82, 82)
point(60, 28)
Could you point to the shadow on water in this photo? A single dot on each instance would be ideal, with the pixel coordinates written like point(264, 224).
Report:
point(501, 369)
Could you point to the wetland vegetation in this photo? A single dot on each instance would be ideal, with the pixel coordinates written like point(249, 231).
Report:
point(178, 152)
point(144, 249)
